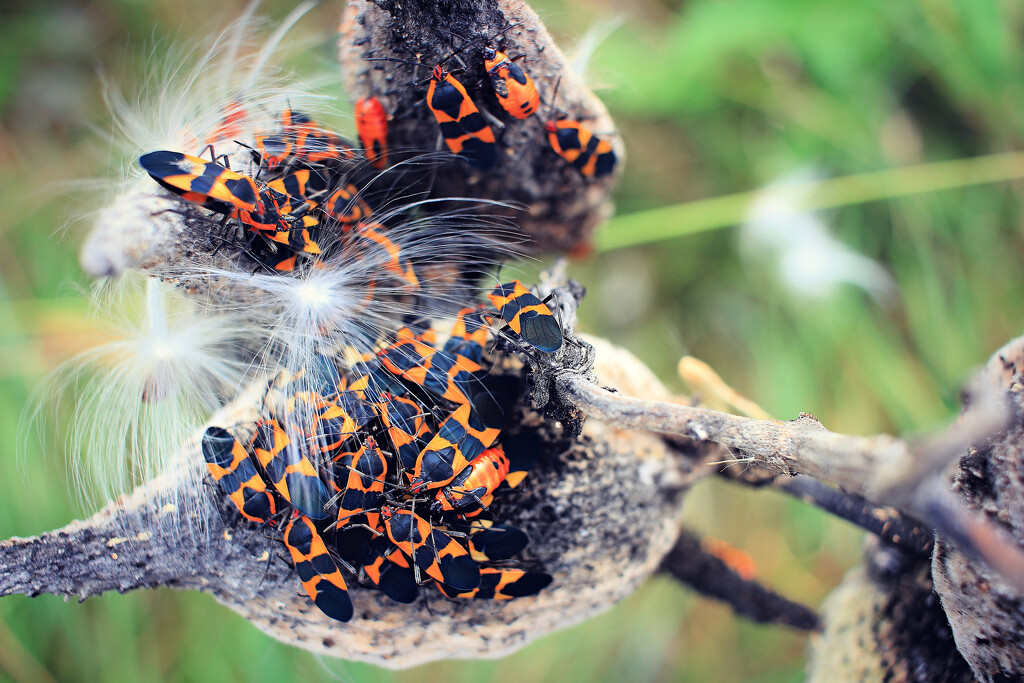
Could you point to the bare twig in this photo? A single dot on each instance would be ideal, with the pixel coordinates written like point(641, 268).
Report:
point(710, 576)
point(883, 469)
point(888, 523)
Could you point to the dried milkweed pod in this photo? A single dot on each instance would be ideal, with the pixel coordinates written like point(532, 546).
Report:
point(601, 512)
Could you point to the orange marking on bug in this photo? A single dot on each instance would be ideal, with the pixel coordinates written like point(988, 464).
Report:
point(516, 91)
point(319, 573)
point(372, 128)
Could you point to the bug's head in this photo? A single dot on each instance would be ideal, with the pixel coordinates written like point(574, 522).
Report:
point(439, 73)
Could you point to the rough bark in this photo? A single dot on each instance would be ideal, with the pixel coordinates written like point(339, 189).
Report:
point(987, 614)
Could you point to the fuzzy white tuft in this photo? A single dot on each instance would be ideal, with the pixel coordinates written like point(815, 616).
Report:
point(185, 94)
point(799, 247)
point(126, 405)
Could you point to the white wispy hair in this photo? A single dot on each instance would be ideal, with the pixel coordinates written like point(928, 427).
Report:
point(586, 47)
point(797, 245)
point(186, 92)
point(125, 406)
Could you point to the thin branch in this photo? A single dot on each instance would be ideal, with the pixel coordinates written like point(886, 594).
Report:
point(888, 523)
point(709, 575)
point(883, 469)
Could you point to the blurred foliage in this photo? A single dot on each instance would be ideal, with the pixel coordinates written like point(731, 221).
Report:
point(713, 97)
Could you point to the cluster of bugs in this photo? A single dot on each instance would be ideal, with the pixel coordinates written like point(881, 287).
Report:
point(384, 462)
point(465, 129)
point(387, 466)
point(302, 200)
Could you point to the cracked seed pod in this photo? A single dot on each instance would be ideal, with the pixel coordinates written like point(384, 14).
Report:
point(601, 512)
point(561, 207)
point(884, 622)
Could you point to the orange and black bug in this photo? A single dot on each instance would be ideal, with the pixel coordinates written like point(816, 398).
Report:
point(278, 259)
point(443, 374)
point(230, 127)
point(369, 380)
point(462, 125)
point(480, 478)
point(431, 550)
point(304, 184)
point(339, 420)
point(317, 570)
point(521, 450)
point(527, 316)
point(393, 262)
point(220, 189)
point(395, 581)
point(459, 439)
point(274, 150)
point(364, 490)
point(346, 205)
point(497, 583)
point(302, 140)
point(406, 425)
point(372, 127)
point(205, 183)
point(494, 542)
point(236, 475)
point(516, 91)
point(290, 470)
point(468, 336)
point(592, 156)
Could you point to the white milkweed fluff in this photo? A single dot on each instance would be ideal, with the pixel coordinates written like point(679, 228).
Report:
point(796, 244)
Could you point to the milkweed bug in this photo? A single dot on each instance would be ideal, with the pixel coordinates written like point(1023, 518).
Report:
point(205, 183)
point(212, 186)
point(459, 439)
point(393, 262)
point(527, 316)
point(236, 475)
point(317, 570)
point(406, 425)
point(346, 205)
point(516, 91)
point(468, 336)
point(431, 550)
point(592, 156)
point(496, 542)
point(462, 125)
point(364, 489)
point(370, 380)
point(290, 469)
point(340, 419)
point(231, 124)
point(522, 450)
point(589, 154)
point(396, 582)
point(443, 374)
point(497, 583)
point(278, 259)
point(478, 479)
point(372, 127)
point(304, 184)
point(302, 140)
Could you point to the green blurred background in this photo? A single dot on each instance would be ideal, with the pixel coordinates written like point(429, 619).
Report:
point(713, 98)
